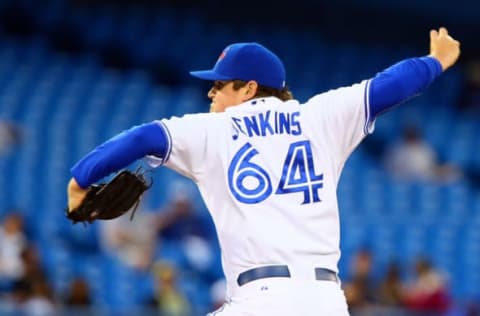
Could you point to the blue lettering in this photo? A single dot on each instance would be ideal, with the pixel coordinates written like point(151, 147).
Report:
point(276, 122)
point(237, 122)
point(251, 125)
point(296, 123)
point(284, 123)
point(265, 124)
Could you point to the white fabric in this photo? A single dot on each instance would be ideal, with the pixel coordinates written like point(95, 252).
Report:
point(299, 228)
point(286, 297)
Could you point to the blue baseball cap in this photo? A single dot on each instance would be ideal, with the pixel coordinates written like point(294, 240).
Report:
point(247, 61)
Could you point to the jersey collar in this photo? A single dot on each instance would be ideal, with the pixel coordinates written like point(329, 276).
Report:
point(255, 103)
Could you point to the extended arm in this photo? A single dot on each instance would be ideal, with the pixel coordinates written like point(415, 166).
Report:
point(411, 76)
point(115, 154)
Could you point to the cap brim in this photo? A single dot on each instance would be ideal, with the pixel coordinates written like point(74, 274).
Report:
point(209, 75)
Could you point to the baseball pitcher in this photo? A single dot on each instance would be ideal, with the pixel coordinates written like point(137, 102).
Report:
point(267, 168)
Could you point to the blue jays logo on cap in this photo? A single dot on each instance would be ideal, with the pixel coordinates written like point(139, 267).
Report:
point(247, 61)
point(222, 55)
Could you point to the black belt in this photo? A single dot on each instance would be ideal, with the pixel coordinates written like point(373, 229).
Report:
point(281, 271)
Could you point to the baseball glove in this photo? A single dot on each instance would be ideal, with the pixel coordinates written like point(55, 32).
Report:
point(112, 199)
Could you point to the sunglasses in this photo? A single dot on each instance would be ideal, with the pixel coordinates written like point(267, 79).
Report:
point(219, 84)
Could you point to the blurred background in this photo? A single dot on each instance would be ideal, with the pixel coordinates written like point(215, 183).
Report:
point(74, 73)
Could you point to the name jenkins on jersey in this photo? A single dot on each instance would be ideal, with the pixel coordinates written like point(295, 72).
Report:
point(267, 123)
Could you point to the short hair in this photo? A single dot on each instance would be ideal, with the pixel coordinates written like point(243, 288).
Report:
point(283, 94)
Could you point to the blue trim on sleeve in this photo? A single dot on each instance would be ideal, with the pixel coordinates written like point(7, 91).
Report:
point(401, 82)
point(169, 141)
point(366, 102)
point(120, 151)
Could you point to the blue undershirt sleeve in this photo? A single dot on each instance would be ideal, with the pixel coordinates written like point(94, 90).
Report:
point(120, 151)
point(401, 82)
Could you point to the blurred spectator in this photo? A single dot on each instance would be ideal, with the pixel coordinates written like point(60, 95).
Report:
point(19, 292)
point(13, 242)
point(391, 287)
point(31, 262)
point(217, 293)
point(360, 289)
point(132, 241)
point(10, 135)
point(40, 300)
point(78, 294)
point(181, 221)
point(412, 158)
point(180, 216)
point(428, 292)
point(170, 301)
point(473, 309)
point(31, 293)
point(470, 98)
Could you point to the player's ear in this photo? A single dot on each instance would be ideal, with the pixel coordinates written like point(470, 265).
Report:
point(251, 89)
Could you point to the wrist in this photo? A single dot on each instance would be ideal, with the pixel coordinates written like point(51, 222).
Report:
point(441, 64)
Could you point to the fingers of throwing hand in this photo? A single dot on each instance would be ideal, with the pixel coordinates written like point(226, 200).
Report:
point(443, 31)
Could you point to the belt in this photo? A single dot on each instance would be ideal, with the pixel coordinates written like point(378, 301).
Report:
point(281, 271)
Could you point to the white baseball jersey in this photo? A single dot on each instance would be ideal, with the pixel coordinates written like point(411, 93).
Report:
point(268, 173)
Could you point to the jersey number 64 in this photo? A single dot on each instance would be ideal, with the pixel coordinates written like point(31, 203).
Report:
point(250, 183)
